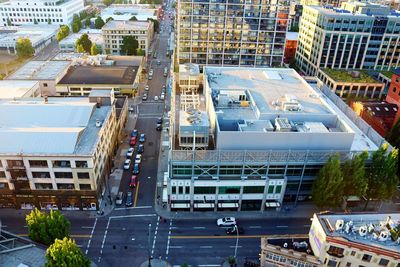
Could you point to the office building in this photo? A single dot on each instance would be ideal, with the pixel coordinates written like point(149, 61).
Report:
point(115, 30)
point(68, 43)
point(55, 153)
point(22, 12)
point(269, 133)
point(237, 33)
point(356, 36)
point(365, 239)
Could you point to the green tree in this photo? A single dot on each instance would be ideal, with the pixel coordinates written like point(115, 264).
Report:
point(80, 49)
point(83, 14)
point(327, 188)
point(76, 23)
point(99, 23)
point(129, 45)
point(107, 51)
point(382, 175)
point(108, 19)
point(108, 2)
point(45, 228)
point(24, 48)
point(156, 24)
point(231, 260)
point(354, 177)
point(75, 27)
point(62, 32)
point(87, 22)
point(140, 52)
point(94, 50)
point(133, 18)
point(65, 252)
point(85, 42)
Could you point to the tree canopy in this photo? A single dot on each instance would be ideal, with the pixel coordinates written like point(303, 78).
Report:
point(65, 252)
point(24, 48)
point(94, 50)
point(62, 32)
point(108, 2)
point(354, 179)
point(140, 52)
point(85, 42)
point(133, 18)
point(76, 23)
point(99, 23)
point(45, 228)
point(129, 45)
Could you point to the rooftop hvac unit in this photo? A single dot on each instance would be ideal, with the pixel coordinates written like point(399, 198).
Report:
point(348, 226)
point(339, 225)
point(362, 231)
point(98, 123)
point(282, 125)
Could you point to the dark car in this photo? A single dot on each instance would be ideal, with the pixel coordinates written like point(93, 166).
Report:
point(140, 149)
point(134, 133)
point(232, 231)
point(159, 120)
point(129, 199)
point(136, 169)
point(159, 127)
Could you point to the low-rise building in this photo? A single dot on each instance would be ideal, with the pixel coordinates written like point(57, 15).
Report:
point(55, 153)
point(68, 44)
point(356, 83)
point(10, 89)
point(115, 30)
point(142, 12)
point(40, 37)
point(47, 73)
point(365, 239)
point(189, 77)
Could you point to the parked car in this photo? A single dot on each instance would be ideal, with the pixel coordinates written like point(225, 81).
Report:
point(138, 158)
point(140, 149)
point(158, 62)
point(162, 96)
point(146, 88)
point(155, 98)
point(119, 198)
point(232, 231)
point(127, 164)
point(133, 181)
point(159, 127)
point(132, 142)
point(130, 109)
point(136, 169)
point(159, 120)
point(142, 138)
point(226, 221)
point(129, 199)
point(163, 89)
point(144, 97)
point(129, 153)
point(134, 133)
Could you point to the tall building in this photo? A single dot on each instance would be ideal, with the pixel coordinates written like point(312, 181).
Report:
point(21, 12)
point(356, 36)
point(234, 32)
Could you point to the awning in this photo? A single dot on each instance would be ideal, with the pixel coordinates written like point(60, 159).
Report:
point(204, 205)
point(272, 204)
point(228, 205)
point(180, 205)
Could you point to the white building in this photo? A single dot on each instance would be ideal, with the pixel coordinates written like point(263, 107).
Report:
point(22, 12)
point(40, 37)
point(12, 89)
point(68, 44)
point(366, 239)
point(126, 12)
point(269, 134)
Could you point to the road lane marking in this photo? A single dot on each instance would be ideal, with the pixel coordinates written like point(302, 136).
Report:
point(87, 227)
point(232, 237)
point(205, 246)
point(91, 235)
point(255, 227)
point(171, 247)
point(136, 194)
point(169, 239)
point(155, 236)
point(282, 226)
point(104, 239)
point(132, 216)
point(199, 227)
point(139, 207)
point(235, 246)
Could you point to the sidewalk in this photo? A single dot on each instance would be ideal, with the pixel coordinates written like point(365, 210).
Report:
point(156, 263)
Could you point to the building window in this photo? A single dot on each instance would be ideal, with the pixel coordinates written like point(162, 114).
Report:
point(41, 175)
point(278, 189)
point(367, 258)
point(180, 190)
point(85, 187)
point(173, 188)
point(63, 175)
point(253, 189)
point(383, 262)
point(353, 253)
point(187, 190)
point(394, 89)
point(348, 264)
point(38, 163)
point(331, 263)
point(44, 84)
point(229, 189)
point(42, 186)
point(204, 190)
point(66, 186)
point(2, 174)
point(335, 251)
point(270, 189)
point(61, 164)
point(83, 175)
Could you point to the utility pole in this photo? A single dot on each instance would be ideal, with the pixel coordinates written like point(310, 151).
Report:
point(149, 256)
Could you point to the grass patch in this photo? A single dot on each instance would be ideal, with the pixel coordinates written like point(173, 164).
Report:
point(345, 76)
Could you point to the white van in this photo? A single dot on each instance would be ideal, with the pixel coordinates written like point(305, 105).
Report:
point(119, 198)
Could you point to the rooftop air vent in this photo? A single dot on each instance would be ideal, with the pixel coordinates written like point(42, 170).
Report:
point(98, 123)
point(339, 225)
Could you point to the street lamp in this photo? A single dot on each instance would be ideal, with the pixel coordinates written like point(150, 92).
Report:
point(237, 240)
point(149, 256)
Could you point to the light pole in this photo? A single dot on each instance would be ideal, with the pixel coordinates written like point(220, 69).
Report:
point(149, 245)
point(237, 240)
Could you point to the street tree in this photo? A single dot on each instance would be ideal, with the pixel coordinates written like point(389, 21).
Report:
point(85, 42)
point(129, 45)
point(76, 23)
point(45, 228)
point(327, 188)
point(62, 32)
point(87, 22)
point(24, 48)
point(140, 52)
point(382, 175)
point(354, 176)
point(80, 49)
point(65, 252)
point(133, 18)
point(99, 23)
point(94, 50)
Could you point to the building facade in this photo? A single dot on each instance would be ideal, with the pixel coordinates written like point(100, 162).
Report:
point(22, 12)
point(114, 31)
point(290, 46)
point(234, 32)
point(355, 36)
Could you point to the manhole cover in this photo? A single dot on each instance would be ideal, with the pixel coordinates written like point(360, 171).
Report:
point(150, 144)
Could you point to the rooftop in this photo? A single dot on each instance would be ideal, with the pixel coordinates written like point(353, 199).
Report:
point(37, 34)
point(100, 75)
point(16, 89)
point(94, 35)
point(292, 36)
point(356, 8)
point(61, 126)
point(40, 70)
point(189, 68)
point(346, 76)
point(125, 12)
point(126, 25)
point(374, 230)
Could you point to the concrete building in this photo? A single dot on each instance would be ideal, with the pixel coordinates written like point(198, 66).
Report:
point(356, 83)
point(356, 239)
point(55, 153)
point(22, 12)
point(290, 46)
point(124, 12)
point(10, 89)
point(231, 33)
point(40, 37)
point(68, 44)
point(115, 30)
point(356, 36)
point(48, 73)
point(270, 132)
point(189, 78)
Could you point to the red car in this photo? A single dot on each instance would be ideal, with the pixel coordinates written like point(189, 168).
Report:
point(133, 141)
point(133, 182)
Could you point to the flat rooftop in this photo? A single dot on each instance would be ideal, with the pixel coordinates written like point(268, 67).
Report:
point(373, 223)
point(94, 35)
point(189, 69)
point(40, 70)
point(60, 126)
point(126, 25)
point(125, 12)
point(100, 75)
point(15, 89)
point(361, 9)
point(37, 34)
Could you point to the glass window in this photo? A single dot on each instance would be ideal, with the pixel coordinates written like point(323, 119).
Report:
point(38, 163)
point(63, 175)
point(253, 189)
point(85, 186)
point(41, 175)
point(81, 164)
point(278, 189)
point(66, 186)
point(61, 163)
point(42, 186)
point(83, 175)
point(270, 189)
point(229, 190)
point(173, 190)
point(383, 262)
point(2, 174)
point(204, 190)
point(367, 258)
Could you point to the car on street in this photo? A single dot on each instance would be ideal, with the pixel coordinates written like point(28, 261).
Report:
point(129, 199)
point(138, 158)
point(133, 181)
point(130, 109)
point(134, 133)
point(156, 98)
point(142, 138)
point(146, 88)
point(127, 164)
point(158, 62)
point(163, 89)
point(159, 120)
point(226, 221)
point(129, 153)
point(140, 149)
point(132, 142)
point(144, 97)
point(119, 198)
point(232, 231)
point(136, 169)
point(155, 55)
point(162, 96)
point(159, 127)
